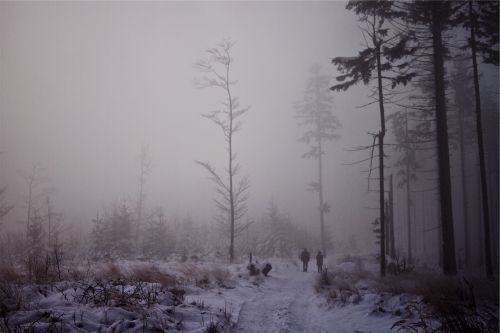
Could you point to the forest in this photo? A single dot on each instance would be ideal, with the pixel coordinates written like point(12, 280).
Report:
point(170, 166)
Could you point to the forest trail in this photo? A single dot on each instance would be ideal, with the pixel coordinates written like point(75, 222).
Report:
point(287, 302)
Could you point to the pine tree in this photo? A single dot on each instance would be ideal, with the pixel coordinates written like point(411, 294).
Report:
point(383, 61)
point(121, 232)
point(315, 113)
point(483, 27)
point(438, 17)
point(157, 241)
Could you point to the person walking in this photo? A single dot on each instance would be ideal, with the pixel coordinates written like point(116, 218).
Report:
point(319, 261)
point(304, 256)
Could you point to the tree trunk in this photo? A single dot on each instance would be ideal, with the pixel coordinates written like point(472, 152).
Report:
point(449, 262)
point(321, 203)
point(139, 211)
point(482, 164)
point(230, 167)
point(381, 158)
point(392, 245)
point(408, 196)
point(465, 210)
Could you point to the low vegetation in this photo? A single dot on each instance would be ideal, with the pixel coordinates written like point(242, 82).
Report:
point(424, 301)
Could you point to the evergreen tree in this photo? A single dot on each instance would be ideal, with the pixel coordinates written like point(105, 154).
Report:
point(158, 242)
point(383, 61)
point(121, 232)
point(482, 22)
point(101, 239)
point(315, 113)
point(438, 17)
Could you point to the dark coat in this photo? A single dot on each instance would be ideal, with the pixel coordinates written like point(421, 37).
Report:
point(304, 256)
point(319, 259)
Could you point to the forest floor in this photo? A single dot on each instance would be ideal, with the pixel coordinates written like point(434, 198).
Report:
point(199, 297)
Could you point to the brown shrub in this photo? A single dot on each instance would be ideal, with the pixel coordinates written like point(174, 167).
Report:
point(110, 271)
point(153, 275)
point(9, 274)
point(11, 297)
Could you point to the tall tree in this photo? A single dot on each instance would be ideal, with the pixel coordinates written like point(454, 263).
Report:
point(381, 60)
point(315, 113)
point(464, 105)
point(483, 39)
point(437, 18)
point(407, 165)
point(232, 192)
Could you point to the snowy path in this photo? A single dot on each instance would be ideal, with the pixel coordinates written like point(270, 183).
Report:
point(283, 305)
point(288, 303)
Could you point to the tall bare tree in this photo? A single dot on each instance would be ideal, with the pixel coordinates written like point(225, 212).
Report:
point(232, 190)
point(315, 112)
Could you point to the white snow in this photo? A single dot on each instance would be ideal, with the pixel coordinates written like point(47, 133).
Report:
point(285, 301)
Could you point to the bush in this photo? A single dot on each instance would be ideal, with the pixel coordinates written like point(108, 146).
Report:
point(153, 275)
point(11, 298)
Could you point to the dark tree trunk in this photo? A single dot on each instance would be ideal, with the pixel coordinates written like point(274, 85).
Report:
point(392, 243)
point(449, 262)
point(408, 196)
point(482, 164)
point(465, 210)
point(320, 192)
point(381, 158)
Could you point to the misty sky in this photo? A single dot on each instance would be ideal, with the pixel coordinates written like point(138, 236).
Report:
point(84, 85)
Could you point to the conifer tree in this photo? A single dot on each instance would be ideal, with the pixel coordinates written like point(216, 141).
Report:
point(315, 113)
point(382, 60)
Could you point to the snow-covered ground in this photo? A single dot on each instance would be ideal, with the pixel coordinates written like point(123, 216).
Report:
point(191, 297)
point(287, 301)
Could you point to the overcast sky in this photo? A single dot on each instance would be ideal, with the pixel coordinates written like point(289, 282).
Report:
point(84, 85)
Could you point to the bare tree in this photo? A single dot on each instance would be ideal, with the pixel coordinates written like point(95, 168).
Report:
point(145, 168)
point(33, 180)
point(232, 190)
point(55, 227)
point(315, 113)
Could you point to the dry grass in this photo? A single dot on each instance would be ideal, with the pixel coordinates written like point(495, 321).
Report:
point(342, 286)
point(343, 280)
point(434, 287)
point(205, 277)
point(9, 274)
point(11, 297)
point(151, 274)
point(110, 271)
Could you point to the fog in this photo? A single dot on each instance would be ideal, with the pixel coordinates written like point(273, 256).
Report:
point(85, 85)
